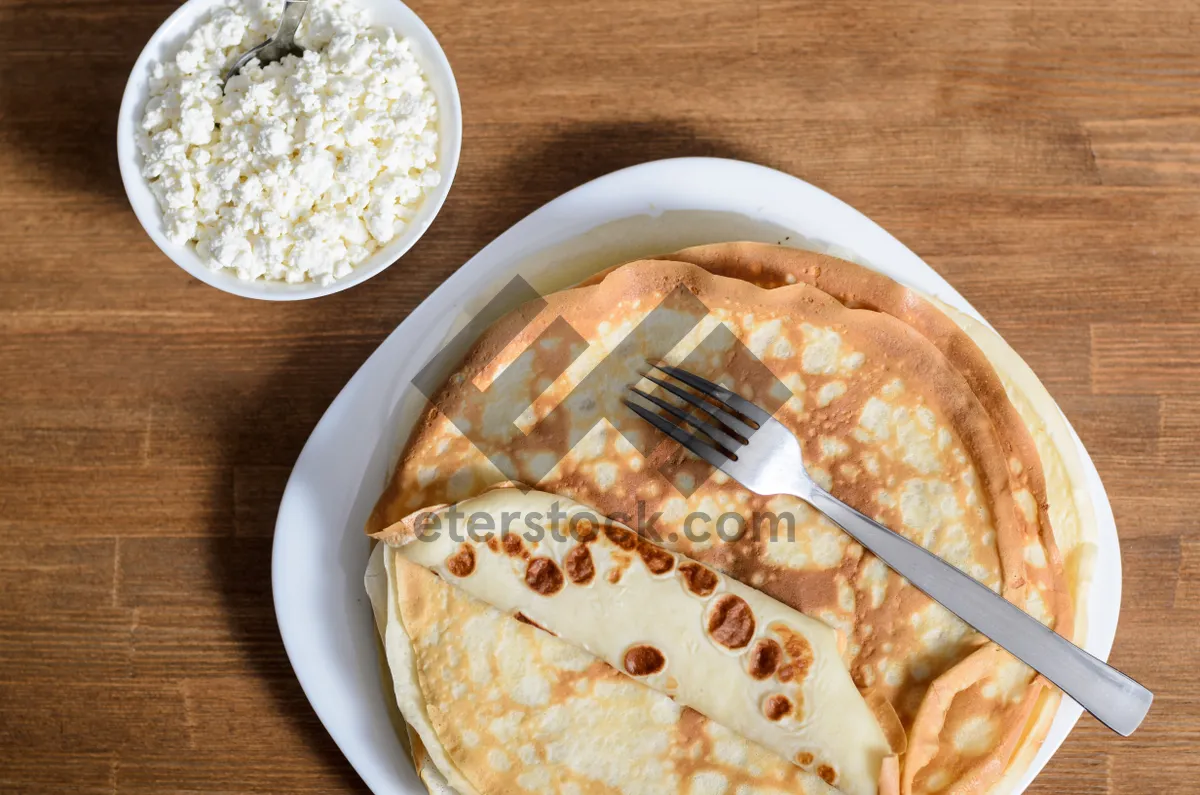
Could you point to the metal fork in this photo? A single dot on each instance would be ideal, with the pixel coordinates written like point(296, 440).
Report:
point(745, 442)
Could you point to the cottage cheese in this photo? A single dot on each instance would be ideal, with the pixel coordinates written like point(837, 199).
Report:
point(299, 170)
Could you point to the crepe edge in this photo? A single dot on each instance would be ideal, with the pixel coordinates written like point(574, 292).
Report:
point(1079, 554)
point(430, 759)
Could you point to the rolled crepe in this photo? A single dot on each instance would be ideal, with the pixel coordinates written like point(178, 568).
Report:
point(724, 649)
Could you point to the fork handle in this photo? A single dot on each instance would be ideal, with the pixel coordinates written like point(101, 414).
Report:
point(1113, 698)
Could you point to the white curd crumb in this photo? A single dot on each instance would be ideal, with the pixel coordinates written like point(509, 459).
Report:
point(299, 170)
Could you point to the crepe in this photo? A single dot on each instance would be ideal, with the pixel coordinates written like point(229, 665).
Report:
point(735, 655)
point(1049, 470)
point(500, 706)
point(900, 414)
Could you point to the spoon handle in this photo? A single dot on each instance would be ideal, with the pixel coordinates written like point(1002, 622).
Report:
point(293, 12)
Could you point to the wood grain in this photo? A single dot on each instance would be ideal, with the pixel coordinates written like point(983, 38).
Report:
point(1044, 157)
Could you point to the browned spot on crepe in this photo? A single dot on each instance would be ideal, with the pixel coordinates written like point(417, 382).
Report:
point(579, 566)
point(777, 707)
point(543, 576)
point(583, 530)
point(764, 658)
point(657, 560)
point(623, 538)
point(644, 661)
point(799, 654)
point(731, 622)
point(699, 580)
point(462, 562)
point(514, 546)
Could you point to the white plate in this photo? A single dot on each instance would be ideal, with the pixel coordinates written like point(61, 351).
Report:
point(320, 551)
point(168, 39)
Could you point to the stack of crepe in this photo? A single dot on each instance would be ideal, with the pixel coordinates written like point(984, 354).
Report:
point(906, 409)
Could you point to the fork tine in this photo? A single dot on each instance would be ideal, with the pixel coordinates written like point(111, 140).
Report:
point(709, 453)
point(728, 443)
point(717, 392)
point(708, 407)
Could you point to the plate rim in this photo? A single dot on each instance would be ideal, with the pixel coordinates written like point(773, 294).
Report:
point(596, 194)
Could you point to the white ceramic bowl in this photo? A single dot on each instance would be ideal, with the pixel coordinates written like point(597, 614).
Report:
point(170, 36)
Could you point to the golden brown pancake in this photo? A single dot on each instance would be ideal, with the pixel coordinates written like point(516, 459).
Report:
point(500, 706)
point(745, 661)
point(899, 413)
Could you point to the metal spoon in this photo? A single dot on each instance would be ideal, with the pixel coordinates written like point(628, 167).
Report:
point(283, 43)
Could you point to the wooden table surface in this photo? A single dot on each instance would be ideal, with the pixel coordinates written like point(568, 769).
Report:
point(1044, 157)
